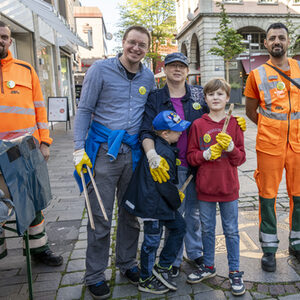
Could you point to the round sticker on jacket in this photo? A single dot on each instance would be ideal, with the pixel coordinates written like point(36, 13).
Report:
point(142, 90)
point(280, 86)
point(11, 84)
point(178, 162)
point(206, 138)
point(196, 105)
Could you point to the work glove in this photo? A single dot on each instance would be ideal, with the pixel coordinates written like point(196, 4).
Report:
point(242, 122)
point(80, 158)
point(213, 152)
point(181, 195)
point(158, 166)
point(225, 141)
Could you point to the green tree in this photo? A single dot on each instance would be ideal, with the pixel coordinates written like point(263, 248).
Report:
point(228, 40)
point(294, 38)
point(157, 16)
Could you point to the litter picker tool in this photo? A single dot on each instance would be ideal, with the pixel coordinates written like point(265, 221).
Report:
point(186, 183)
point(228, 117)
point(87, 201)
point(97, 194)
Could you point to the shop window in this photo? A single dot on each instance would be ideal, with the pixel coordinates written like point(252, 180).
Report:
point(268, 1)
point(232, 1)
point(296, 2)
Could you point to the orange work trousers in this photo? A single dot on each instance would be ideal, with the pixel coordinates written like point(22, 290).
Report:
point(268, 176)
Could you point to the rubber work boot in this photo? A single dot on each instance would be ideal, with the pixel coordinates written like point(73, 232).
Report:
point(48, 258)
point(268, 262)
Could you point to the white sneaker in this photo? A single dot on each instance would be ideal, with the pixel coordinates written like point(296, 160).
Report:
point(237, 283)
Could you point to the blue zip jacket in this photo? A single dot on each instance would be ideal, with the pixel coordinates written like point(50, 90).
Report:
point(99, 134)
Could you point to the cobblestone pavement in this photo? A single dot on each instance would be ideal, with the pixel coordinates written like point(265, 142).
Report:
point(66, 227)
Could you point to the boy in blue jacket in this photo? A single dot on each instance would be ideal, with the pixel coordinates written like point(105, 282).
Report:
point(157, 204)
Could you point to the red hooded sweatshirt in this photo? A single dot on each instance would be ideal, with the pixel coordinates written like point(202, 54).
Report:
point(217, 180)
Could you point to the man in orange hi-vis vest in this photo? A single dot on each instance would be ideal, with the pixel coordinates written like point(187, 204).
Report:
point(22, 109)
point(270, 90)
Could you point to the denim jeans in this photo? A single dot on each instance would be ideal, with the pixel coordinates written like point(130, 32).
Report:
point(190, 211)
point(229, 217)
point(152, 235)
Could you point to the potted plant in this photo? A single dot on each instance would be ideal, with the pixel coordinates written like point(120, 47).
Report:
point(236, 93)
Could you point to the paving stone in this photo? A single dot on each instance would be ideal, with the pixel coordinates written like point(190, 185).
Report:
point(124, 291)
point(170, 296)
point(152, 296)
point(43, 295)
point(82, 229)
point(289, 297)
point(12, 280)
point(248, 285)
point(215, 295)
point(76, 265)
point(40, 286)
point(290, 289)
point(69, 292)
point(108, 274)
point(120, 278)
point(10, 290)
point(297, 284)
point(81, 245)
point(225, 284)
point(48, 276)
point(182, 287)
point(246, 296)
point(72, 278)
point(263, 288)
point(82, 236)
point(78, 253)
point(258, 296)
point(201, 288)
point(276, 289)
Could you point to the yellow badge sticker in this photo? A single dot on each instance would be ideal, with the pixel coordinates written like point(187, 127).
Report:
point(178, 162)
point(280, 86)
point(11, 84)
point(196, 105)
point(207, 138)
point(142, 90)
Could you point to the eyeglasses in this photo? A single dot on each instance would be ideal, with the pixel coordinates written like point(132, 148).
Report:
point(141, 46)
point(177, 66)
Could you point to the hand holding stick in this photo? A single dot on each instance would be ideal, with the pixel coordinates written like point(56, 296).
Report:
point(228, 117)
point(186, 183)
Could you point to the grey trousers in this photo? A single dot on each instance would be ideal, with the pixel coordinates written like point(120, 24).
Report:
point(110, 177)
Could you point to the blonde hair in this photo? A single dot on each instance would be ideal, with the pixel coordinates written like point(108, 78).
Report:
point(215, 84)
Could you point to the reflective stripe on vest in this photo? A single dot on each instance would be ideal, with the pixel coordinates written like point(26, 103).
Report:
point(29, 130)
point(268, 238)
point(272, 115)
point(41, 125)
point(16, 110)
point(37, 243)
point(39, 104)
point(37, 229)
point(295, 242)
point(273, 245)
point(295, 234)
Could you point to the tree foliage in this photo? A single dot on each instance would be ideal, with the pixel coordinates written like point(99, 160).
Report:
point(228, 40)
point(157, 16)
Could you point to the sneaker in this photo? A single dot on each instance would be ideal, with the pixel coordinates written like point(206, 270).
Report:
point(237, 283)
point(99, 290)
point(175, 272)
point(48, 258)
point(152, 285)
point(201, 274)
point(164, 275)
point(133, 275)
point(199, 261)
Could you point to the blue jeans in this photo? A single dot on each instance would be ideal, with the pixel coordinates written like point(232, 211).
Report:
point(190, 210)
point(229, 217)
point(152, 235)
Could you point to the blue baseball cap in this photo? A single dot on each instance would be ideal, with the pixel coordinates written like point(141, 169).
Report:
point(169, 119)
point(176, 56)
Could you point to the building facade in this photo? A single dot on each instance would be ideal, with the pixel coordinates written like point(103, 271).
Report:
point(198, 22)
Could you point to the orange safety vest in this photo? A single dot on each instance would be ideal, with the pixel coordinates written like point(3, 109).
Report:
point(22, 107)
point(279, 110)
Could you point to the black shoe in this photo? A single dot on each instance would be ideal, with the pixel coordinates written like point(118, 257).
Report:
point(133, 275)
point(175, 272)
point(48, 258)
point(164, 275)
point(152, 285)
point(199, 261)
point(268, 262)
point(99, 290)
point(295, 253)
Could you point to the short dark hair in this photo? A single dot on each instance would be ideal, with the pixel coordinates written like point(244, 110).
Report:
point(140, 29)
point(277, 26)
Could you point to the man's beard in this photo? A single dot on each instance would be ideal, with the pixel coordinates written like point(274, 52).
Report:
point(3, 53)
point(278, 53)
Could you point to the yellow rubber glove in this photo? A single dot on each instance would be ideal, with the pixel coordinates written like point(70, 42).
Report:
point(80, 158)
point(159, 167)
point(223, 139)
point(160, 173)
point(216, 151)
point(181, 195)
point(242, 122)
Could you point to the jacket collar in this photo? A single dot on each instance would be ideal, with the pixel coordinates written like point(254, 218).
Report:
point(166, 93)
point(7, 59)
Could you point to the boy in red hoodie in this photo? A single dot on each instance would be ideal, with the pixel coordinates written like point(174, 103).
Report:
point(217, 156)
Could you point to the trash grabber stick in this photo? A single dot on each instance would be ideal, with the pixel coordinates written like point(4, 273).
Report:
point(97, 194)
point(228, 117)
point(87, 201)
point(186, 183)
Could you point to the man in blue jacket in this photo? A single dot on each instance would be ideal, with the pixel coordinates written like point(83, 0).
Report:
point(114, 92)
